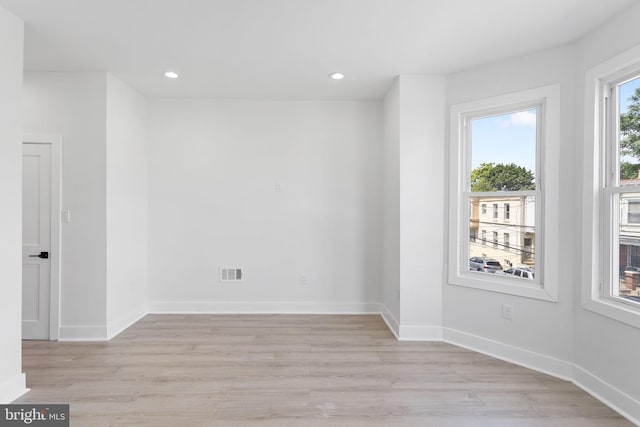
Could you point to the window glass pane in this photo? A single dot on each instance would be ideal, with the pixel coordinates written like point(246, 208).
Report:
point(503, 152)
point(629, 247)
point(517, 248)
point(629, 132)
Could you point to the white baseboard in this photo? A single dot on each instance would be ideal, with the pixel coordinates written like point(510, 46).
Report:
point(390, 320)
point(509, 353)
point(83, 333)
point(211, 307)
point(409, 332)
point(125, 320)
point(616, 399)
point(13, 388)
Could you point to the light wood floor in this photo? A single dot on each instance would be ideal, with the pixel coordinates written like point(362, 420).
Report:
point(293, 370)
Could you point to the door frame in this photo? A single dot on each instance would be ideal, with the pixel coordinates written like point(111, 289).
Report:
point(55, 141)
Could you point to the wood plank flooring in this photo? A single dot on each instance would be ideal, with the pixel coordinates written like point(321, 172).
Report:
point(294, 370)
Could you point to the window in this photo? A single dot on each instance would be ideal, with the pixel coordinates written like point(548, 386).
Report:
point(503, 147)
point(611, 214)
point(497, 160)
point(622, 187)
point(633, 214)
point(633, 255)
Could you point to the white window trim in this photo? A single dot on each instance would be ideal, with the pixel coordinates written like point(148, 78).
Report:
point(595, 247)
point(547, 235)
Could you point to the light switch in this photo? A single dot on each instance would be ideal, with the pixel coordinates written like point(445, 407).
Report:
point(66, 216)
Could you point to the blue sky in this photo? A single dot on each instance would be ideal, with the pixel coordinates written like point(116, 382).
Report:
point(511, 138)
point(506, 138)
point(626, 90)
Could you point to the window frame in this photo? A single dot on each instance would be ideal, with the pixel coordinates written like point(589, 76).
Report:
point(545, 287)
point(599, 217)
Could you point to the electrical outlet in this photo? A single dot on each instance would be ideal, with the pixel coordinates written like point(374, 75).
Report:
point(303, 280)
point(278, 187)
point(507, 311)
point(231, 274)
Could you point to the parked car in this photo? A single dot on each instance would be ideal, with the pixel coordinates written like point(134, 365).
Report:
point(488, 265)
point(523, 273)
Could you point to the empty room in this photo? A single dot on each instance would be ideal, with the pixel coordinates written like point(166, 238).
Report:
point(320, 213)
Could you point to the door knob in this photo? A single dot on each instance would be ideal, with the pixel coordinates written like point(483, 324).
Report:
point(43, 255)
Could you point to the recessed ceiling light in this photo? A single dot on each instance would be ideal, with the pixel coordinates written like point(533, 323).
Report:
point(171, 75)
point(336, 76)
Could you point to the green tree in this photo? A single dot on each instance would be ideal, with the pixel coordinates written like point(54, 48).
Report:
point(629, 170)
point(630, 128)
point(630, 137)
point(501, 177)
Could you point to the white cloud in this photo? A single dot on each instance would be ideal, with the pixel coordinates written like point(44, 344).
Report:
point(523, 118)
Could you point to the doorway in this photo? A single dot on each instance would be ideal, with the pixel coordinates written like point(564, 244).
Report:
point(40, 237)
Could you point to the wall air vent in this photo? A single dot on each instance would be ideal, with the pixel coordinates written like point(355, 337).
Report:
point(231, 274)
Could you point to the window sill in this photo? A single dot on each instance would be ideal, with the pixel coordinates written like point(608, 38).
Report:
point(505, 285)
point(613, 310)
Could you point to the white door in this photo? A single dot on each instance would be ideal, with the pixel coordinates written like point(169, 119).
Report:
point(36, 240)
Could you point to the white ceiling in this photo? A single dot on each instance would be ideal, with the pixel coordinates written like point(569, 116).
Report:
point(284, 49)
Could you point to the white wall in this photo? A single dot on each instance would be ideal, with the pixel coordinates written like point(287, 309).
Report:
point(126, 180)
point(74, 105)
point(413, 214)
point(597, 353)
point(214, 170)
point(12, 381)
point(391, 206)
point(607, 349)
point(541, 327)
point(422, 205)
